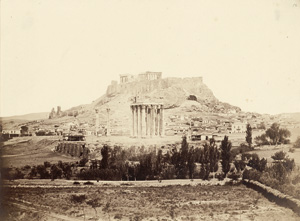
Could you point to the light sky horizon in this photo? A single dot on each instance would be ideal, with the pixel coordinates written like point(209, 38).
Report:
point(65, 53)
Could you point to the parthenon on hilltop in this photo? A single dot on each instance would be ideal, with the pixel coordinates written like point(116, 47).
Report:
point(148, 75)
point(147, 120)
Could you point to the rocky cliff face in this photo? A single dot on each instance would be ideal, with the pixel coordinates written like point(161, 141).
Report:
point(171, 91)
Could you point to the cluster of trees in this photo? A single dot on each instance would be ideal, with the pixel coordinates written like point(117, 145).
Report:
point(186, 162)
point(274, 175)
point(52, 171)
point(44, 133)
point(42, 171)
point(119, 164)
point(273, 136)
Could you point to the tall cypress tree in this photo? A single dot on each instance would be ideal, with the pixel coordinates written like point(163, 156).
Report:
point(249, 135)
point(226, 157)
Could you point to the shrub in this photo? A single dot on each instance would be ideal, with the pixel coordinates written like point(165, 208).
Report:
point(251, 174)
point(268, 179)
point(244, 148)
point(26, 167)
point(297, 143)
point(76, 183)
point(82, 162)
point(239, 165)
point(88, 183)
point(41, 170)
point(220, 176)
point(56, 172)
point(234, 176)
point(278, 156)
point(78, 198)
point(292, 150)
point(14, 174)
point(47, 164)
point(261, 140)
point(256, 163)
point(279, 172)
point(33, 172)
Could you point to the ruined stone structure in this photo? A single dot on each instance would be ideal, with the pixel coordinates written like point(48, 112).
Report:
point(54, 114)
point(59, 112)
point(147, 120)
point(150, 76)
point(112, 88)
point(125, 78)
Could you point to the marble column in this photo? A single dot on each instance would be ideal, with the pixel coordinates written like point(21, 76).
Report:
point(143, 121)
point(153, 119)
point(136, 123)
point(132, 121)
point(148, 121)
point(139, 125)
point(158, 120)
point(162, 127)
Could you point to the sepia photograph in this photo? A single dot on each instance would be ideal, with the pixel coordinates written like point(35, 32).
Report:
point(143, 110)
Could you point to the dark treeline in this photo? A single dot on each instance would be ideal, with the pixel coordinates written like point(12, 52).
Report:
point(187, 162)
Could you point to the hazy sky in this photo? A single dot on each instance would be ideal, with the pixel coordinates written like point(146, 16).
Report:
point(59, 52)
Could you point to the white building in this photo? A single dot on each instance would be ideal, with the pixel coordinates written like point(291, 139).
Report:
point(238, 127)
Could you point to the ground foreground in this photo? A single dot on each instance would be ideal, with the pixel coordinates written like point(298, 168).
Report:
point(168, 200)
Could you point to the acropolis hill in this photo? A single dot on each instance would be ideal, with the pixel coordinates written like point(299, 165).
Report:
point(179, 96)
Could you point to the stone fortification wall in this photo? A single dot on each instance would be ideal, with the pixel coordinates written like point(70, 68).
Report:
point(191, 85)
point(74, 149)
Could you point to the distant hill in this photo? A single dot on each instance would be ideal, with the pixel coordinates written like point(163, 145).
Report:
point(295, 117)
point(27, 117)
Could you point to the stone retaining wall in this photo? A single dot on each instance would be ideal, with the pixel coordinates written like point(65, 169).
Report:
point(275, 195)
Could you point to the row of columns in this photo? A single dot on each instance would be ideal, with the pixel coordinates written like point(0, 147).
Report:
point(147, 120)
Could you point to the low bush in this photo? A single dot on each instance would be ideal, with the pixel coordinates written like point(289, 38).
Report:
point(88, 183)
point(297, 143)
point(234, 176)
point(239, 165)
point(26, 167)
point(251, 174)
point(76, 183)
point(17, 174)
point(78, 198)
point(278, 156)
point(292, 150)
point(254, 161)
point(220, 176)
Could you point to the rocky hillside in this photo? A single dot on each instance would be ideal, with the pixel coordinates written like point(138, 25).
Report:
point(172, 92)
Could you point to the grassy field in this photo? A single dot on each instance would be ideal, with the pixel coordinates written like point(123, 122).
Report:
point(22, 151)
point(180, 200)
point(268, 151)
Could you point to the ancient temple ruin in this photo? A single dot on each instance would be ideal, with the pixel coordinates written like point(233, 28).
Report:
point(145, 76)
point(147, 120)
